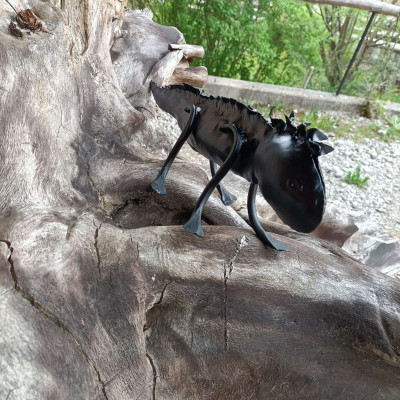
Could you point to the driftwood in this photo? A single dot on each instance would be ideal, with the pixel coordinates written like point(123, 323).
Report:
point(103, 295)
point(189, 51)
point(196, 75)
point(369, 5)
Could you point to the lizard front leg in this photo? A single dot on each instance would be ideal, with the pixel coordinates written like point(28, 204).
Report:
point(159, 184)
point(194, 223)
point(226, 197)
point(255, 223)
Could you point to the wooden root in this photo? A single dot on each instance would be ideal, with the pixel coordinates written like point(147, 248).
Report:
point(196, 76)
point(173, 69)
point(189, 51)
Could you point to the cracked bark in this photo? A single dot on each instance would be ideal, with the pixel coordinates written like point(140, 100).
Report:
point(100, 196)
point(10, 261)
point(96, 236)
point(161, 295)
point(49, 315)
point(10, 392)
point(157, 303)
point(226, 275)
point(76, 114)
point(105, 321)
point(228, 269)
point(146, 327)
point(153, 367)
point(117, 209)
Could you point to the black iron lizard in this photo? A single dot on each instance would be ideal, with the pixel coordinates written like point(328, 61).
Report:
point(276, 155)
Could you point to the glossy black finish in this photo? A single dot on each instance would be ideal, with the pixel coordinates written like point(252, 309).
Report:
point(278, 156)
point(159, 184)
point(226, 197)
point(194, 223)
point(254, 222)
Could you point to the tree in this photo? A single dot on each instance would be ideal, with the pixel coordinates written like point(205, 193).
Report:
point(277, 41)
point(262, 41)
point(103, 295)
point(341, 30)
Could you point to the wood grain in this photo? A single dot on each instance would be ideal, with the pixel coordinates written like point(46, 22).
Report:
point(103, 295)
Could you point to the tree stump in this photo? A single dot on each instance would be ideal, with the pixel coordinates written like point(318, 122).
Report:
point(103, 295)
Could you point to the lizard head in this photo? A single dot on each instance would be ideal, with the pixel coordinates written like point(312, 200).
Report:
point(288, 173)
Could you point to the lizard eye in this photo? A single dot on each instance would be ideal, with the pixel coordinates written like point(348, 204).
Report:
point(294, 185)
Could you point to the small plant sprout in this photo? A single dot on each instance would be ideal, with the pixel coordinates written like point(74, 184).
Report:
point(354, 178)
point(394, 126)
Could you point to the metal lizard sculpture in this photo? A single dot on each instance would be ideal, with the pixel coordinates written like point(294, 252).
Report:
point(276, 155)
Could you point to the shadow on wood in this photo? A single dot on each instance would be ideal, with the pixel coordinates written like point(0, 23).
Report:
point(96, 301)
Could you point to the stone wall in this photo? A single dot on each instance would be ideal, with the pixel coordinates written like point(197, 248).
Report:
point(296, 98)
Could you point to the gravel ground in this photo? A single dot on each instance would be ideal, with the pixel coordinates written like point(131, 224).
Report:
point(379, 199)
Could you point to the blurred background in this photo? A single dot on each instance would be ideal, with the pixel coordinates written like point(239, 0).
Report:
point(277, 42)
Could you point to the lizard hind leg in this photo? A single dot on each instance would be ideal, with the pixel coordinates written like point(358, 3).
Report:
point(159, 184)
point(255, 223)
point(226, 197)
point(194, 223)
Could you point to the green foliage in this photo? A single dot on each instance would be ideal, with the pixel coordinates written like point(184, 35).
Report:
point(327, 123)
point(277, 41)
point(354, 178)
point(270, 42)
point(337, 33)
point(393, 122)
point(312, 118)
point(391, 94)
point(343, 130)
point(366, 131)
point(375, 71)
point(372, 75)
point(324, 122)
point(372, 107)
point(356, 130)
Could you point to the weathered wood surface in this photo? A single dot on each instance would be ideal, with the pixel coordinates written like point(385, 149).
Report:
point(189, 50)
point(197, 76)
point(103, 295)
point(376, 6)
